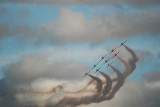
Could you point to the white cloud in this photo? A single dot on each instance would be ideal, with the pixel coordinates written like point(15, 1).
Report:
point(35, 66)
point(74, 26)
point(134, 93)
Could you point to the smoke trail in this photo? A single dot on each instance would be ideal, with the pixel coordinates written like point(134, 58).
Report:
point(133, 60)
point(74, 101)
point(117, 86)
point(111, 91)
point(31, 90)
point(99, 83)
point(108, 92)
point(83, 89)
point(127, 69)
point(120, 80)
point(108, 84)
point(130, 65)
point(119, 83)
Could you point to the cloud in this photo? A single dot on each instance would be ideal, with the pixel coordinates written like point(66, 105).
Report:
point(23, 13)
point(4, 30)
point(152, 76)
point(36, 66)
point(134, 93)
point(89, 2)
point(159, 54)
point(74, 26)
point(3, 10)
point(23, 32)
point(10, 28)
point(35, 69)
point(144, 55)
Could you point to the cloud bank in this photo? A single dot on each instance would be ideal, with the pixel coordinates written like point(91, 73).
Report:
point(134, 93)
point(74, 26)
point(40, 66)
point(90, 2)
point(45, 91)
point(36, 82)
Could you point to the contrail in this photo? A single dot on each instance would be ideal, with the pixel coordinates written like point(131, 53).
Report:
point(73, 101)
point(130, 65)
point(127, 69)
point(99, 83)
point(83, 89)
point(119, 82)
point(115, 88)
point(108, 84)
point(133, 60)
point(109, 91)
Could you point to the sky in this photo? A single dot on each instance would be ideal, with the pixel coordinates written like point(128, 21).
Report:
point(47, 42)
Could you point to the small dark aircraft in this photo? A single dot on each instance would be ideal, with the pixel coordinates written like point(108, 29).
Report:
point(116, 54)
point(113, 50)
point(85, 74)
point(106, 61)
point(122, 43)
point(109, 64)
point(92, 68)
point(98, 69)
point(101, 59)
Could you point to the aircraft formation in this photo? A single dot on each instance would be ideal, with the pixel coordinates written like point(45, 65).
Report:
point(106, 60)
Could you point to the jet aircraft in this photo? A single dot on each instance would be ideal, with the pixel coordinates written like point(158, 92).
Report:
point(85, 74)
point(109, 64)
point(122, 43)
point(113, 50)
point(98, 69)
point(106, 61)
point(116, 54)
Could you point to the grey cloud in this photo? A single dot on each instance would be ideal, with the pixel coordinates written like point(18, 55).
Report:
point(35, 69)
point(144, 55)
point(25, 32)
point(152, 76)
point(89, 2)
point(3, 10)
point(4, 30)
point(30, 66)
point(132, 94)
point(159, 54)
point(73, 26)
point(23, 13)
point(35, 66)
point(21, 32)
point(2, 85)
